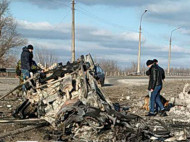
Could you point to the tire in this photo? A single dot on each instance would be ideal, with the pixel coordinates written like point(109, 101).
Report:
point(102, 82)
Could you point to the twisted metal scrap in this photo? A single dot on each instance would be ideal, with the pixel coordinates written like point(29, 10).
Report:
point(78, 109)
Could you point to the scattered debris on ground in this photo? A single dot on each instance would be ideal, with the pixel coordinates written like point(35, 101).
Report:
point(69, 98)
point(182, 103)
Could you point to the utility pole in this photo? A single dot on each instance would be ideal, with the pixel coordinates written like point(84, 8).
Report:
point(169, 55)
point(170, 48)
point(139, 52)
point(73, 30)
point(1, 26)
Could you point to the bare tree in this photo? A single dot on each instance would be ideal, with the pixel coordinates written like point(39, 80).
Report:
point(9, 38)
point(45, 57)
point(180, 70)
point(133, 68)
point(9, 61)
point(108, 65)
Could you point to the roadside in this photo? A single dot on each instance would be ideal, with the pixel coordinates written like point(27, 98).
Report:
point(139, 80)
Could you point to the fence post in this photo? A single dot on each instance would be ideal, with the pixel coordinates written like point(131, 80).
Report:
point(106, 73)
point(111, 73)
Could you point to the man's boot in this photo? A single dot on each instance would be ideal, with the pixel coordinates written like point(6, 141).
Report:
point(163, 113)
point(150, 114)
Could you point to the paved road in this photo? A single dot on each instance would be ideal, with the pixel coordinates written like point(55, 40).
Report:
point(7, 84)
point(135, 80)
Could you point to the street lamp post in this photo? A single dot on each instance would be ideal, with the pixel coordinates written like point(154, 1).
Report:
point(139, 52)
point(169, 54)
point(73, 31)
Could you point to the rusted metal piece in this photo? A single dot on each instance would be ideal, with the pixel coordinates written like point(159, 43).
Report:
point(34, 120)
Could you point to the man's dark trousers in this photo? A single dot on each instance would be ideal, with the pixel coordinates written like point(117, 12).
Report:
point(26, 75)
point(155, 98)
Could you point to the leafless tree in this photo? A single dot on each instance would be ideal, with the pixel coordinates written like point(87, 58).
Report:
point(132, 68)
point(112, 66)
point(180, 70)
point(9, 38)
point(45, 57)
point(9, 61)
point(108, 65)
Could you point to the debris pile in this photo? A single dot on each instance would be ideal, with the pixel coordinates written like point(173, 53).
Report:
point(182, 104)
point(69, 98)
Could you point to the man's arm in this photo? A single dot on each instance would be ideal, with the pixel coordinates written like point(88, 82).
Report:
point(163, 74)
point(148, 72)
point(154, 78)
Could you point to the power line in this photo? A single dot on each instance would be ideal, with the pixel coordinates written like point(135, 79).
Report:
point(101, 20)
point(94, 17)
point(65, 15)
point(64, 3)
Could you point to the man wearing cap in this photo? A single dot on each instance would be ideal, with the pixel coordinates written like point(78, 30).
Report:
point(26, 61)
point(163, 76)
point(162, 72)
point(155, 86)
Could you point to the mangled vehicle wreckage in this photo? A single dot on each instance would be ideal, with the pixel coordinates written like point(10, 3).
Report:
point(70, 100)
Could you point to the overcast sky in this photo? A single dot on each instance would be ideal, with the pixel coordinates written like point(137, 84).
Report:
point(108, 29)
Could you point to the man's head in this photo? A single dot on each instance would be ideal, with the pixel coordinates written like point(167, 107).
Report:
point(155, 61)
point(149, 63)
point(30, 48)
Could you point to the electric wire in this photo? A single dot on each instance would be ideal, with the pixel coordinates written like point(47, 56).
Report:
point(99, 19)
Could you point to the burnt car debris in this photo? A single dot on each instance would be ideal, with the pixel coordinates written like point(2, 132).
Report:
point(69, 99)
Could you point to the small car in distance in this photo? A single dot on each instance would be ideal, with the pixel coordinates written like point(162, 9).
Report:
point(99, 75)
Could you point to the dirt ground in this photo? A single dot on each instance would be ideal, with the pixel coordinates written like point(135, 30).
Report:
point(123, 92)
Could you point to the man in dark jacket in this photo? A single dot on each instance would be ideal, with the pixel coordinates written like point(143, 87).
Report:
point(163, 76)
point(155, 61)
point(155, 86)
point(26, 61)
point(162, 70)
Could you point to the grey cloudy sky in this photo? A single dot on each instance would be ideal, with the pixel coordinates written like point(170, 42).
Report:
point(108, 28)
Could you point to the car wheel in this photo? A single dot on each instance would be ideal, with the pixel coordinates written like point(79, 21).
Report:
point(102, 82)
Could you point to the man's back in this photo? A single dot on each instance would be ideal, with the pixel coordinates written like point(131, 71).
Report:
point(26, 59)
point(162, 72)
point(155, 76)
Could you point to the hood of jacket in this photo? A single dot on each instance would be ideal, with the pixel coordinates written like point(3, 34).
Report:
point(25, 49)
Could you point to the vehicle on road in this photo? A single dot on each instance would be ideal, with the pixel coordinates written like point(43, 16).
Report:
point(99, 75)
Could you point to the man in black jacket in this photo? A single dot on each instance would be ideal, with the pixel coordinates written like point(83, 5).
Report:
point(26, 61)
point(162, 70)
point(163, 77)
point(155, 61)
point(155, 86)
